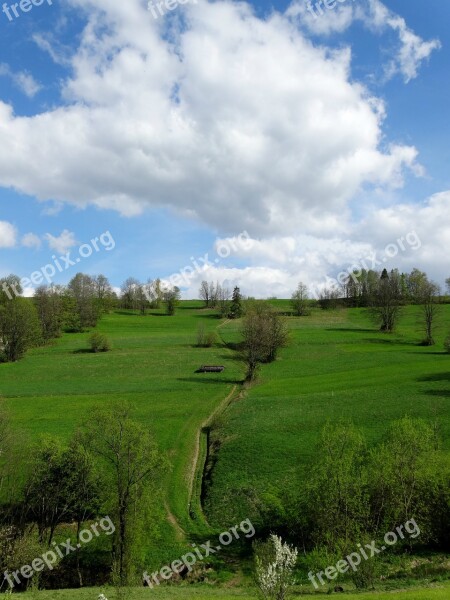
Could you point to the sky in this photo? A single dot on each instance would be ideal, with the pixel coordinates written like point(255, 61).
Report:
point(255, 144)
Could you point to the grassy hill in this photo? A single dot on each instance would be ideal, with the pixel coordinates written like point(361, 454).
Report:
point(336, 366)
point(152, 364)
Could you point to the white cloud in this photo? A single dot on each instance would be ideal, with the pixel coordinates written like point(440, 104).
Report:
point(234, 120)
point(31, 240)
point(8, 235)
point(407, 58)
point(61, 243)
point(417, 234)
point(21, 79)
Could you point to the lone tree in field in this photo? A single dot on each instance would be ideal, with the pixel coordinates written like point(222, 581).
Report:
point(386, 307)
point(172, 300)
point(19, 328)
point(274, 565)
point(264, 333)
point(132, 465)
point(299, 300)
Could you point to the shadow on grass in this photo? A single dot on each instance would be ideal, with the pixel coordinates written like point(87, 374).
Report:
point(391, 342)
point(441, 393)
point(351, 330)
point(436, 377)
point(83, 351)
point(206, 378)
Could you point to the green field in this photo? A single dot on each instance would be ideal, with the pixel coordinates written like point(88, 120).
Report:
point(336, 366)
point(153, 365)
point(209, 593)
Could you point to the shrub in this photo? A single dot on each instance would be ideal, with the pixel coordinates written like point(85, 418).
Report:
point(211, 339)
point(99, 342)
point(447, 344)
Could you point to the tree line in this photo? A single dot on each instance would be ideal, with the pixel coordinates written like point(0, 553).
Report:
point(73, 308)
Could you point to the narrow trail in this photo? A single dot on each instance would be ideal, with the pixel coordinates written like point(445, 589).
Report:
point(206, 423)
point(194, 468)
point(179, 531)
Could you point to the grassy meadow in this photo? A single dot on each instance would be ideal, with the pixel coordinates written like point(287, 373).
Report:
point(336, 366)
point(440, 592)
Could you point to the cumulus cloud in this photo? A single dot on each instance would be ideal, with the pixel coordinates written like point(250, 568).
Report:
point(8, 235)
point(402, 236)
point(228, 118)
point(21, 79)
point(31, 240)
point(410, 52)
point(61, 243)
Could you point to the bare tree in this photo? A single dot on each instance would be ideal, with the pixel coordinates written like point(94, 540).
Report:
point(204, 293)
point(386, 307)
point(430, 309)
point(299, 300)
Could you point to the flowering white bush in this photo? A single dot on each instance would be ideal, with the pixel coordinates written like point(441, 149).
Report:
point(102, 597)
point(275, 562)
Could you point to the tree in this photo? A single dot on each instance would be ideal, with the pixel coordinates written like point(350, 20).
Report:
point(336, 495)
point(204, 293)
point(430, 309)
point(236, 310)
point(263, 333)
point(128, 297)
point(447, 285)
point(10, 287)
point(82, 293)
point(49, 306)
point(172, 299)
point(329, 298)
point(299, 300)
point(274, 565)
point(223, 300)
point(61, 487)
point(132, 463)
point(399, 473)
point(415, 282)
point(19, 328)
point(104, 293)
point(386, 303)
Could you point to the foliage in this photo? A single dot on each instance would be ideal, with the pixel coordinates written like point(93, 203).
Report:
point(133, 464)
point(274, 565)
point(99, 342)
point(299, 300)
point(19, 328)
point(236, 309)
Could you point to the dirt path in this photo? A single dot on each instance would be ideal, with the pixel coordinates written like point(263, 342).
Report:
point(206, 423)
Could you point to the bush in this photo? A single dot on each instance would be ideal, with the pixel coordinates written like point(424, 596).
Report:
point(447, 344)
point(211, 339)
point(99, 342)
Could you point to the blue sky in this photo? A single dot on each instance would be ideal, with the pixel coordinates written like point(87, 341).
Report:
point(323, 139)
